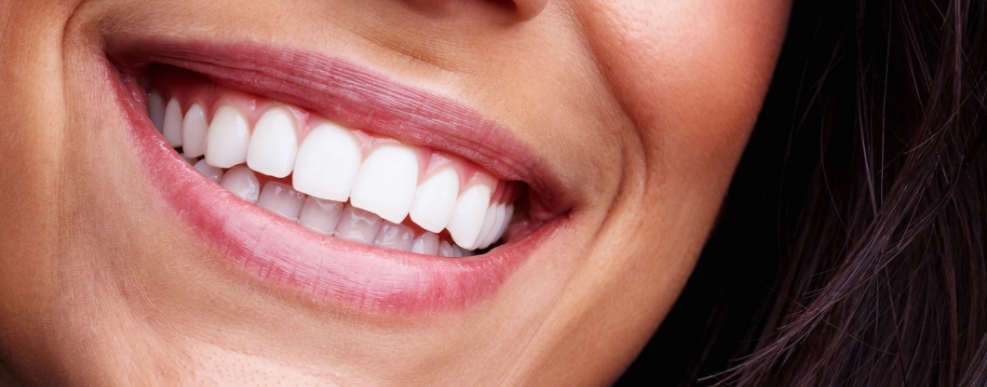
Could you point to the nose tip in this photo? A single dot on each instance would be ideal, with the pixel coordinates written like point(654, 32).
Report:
point(515, 10)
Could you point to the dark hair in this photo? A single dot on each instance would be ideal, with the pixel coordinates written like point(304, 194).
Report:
point(851, 246)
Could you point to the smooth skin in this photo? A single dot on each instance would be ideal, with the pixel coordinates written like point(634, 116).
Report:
point(642, 108)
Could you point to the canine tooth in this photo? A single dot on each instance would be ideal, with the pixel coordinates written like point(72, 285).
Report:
point(241, 182)
point(273, 145)
point(327, 163)
point(357, 225)
point(156, 109)
point(386, 182)
point(496, 211)
point(394, 236)
point(491, 237)
point(427, 244)
point(508, 212)
point(213, 173)
point(194, 128)
point(435, 199)
point(446, 250)
point(488, 220)
point(320, 215)
point(226, 142)
point(172, 126)
point(467, 218)
point(282, 200)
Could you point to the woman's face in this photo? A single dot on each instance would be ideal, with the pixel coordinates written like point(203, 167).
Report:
point(590, 143)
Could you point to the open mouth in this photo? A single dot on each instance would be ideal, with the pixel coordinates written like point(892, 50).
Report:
point(335, 181)
point(317, 174)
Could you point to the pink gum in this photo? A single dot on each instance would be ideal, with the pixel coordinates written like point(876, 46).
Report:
point(211, 97)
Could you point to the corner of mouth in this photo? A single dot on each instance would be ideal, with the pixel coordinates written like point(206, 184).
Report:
point(354, 97)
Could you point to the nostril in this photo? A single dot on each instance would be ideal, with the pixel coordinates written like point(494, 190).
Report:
point(519, 10)
point(525, 10)
point(507, 5)
point(510, 10)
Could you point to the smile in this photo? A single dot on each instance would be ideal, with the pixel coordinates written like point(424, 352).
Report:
point(315, 174)
point(333, 180)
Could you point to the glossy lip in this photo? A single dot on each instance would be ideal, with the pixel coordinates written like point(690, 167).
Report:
point(283, 252)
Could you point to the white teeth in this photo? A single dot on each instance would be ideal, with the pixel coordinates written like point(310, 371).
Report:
point(427, 244)
point(156, 109)
point(386, 182)
point(395, 237)
point(488, 238)
point(467, 218)
point(357, 225)
point(241, 182)
point(172, 126)
point(446, 250)
point(320, 215)
point(435, 199)
point(488, 222)
point(282, 200)
point(504, 222)
point(493, 236)
point(382, 189)
point(213, 173)
point(327, 163)
point(273, 145)
point(194, 128)
point(226, 142)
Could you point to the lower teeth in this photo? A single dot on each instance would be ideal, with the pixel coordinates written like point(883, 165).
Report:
point(327, 217)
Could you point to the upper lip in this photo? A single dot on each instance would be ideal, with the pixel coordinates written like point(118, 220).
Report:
point(361, 276)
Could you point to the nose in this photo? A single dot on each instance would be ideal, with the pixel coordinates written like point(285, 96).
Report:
point(511, 11)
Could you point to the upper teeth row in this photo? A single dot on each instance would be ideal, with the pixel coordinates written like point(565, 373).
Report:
point(330, 164)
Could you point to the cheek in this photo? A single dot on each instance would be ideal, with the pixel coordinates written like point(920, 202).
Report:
point(31, 105)
point(690, 74)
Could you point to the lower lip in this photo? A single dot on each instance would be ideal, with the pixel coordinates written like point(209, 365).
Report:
point(276, 251)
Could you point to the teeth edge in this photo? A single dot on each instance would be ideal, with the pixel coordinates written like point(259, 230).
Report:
point(231, 129)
